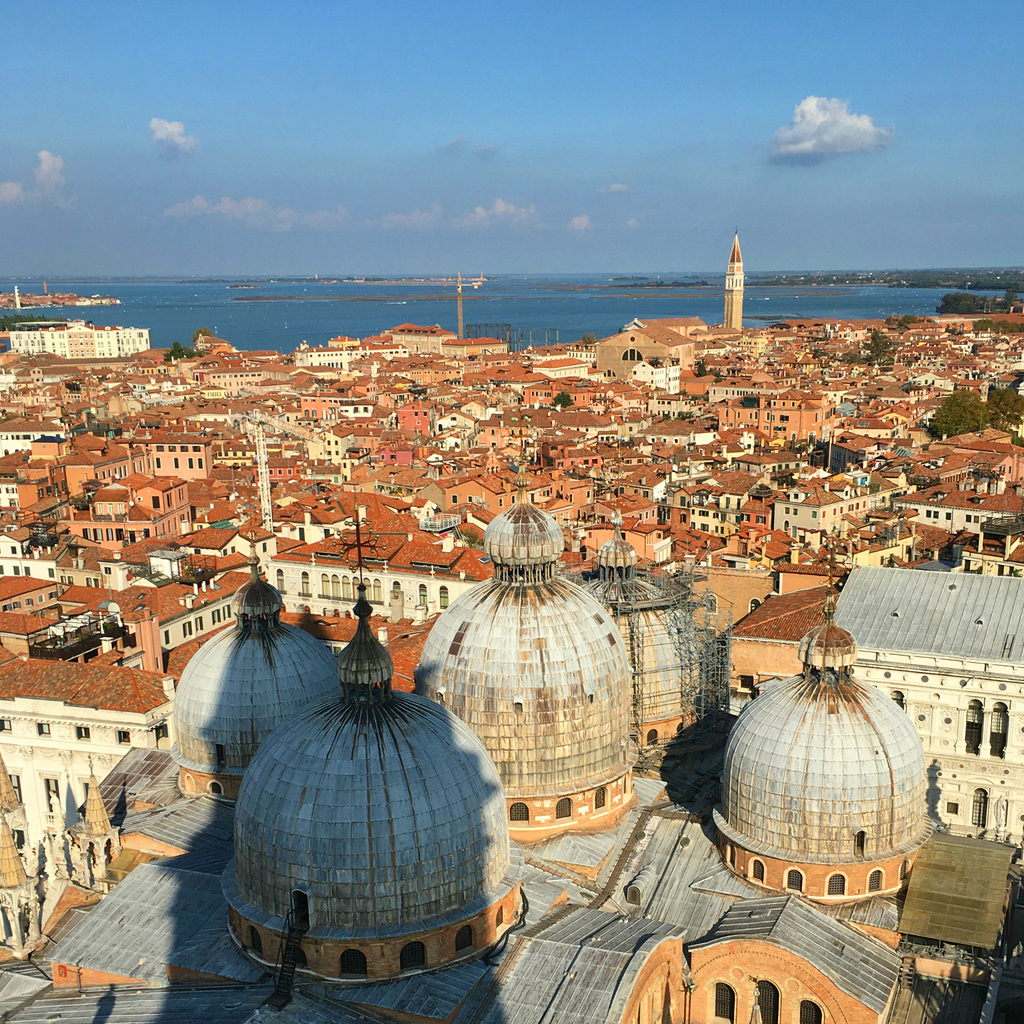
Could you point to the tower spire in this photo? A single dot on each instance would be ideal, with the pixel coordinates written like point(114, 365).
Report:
point(733, 317)
point(12, 871)
point(97, 821)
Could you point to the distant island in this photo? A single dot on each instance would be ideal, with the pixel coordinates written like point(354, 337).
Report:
point(31, 300)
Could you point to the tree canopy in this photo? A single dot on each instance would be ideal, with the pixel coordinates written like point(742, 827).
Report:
point(1005, 409)
point(178, 351)
point(201, 332)
point(960, 413)
point(562, 400)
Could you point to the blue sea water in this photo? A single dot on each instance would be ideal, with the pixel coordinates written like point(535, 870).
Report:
point(314, 311)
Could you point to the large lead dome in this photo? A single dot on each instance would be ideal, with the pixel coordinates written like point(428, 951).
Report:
point(534, 665)
point(385, 813)
point(241, 685)
point(823, 770)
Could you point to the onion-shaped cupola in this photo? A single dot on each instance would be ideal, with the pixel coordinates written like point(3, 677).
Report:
point(374, 823)
point(241, 685)
point(535, 666)
point(823, 788)
point(616, 558)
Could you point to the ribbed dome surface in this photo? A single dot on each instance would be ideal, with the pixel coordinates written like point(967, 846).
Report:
point(241, 685)
point(388, 815)
point(539, 672)
point(524, 535)
point(810, 763)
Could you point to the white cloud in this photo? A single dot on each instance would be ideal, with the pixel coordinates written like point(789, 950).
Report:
point(500, 212)
point(460, 146)
point(581, 222)
point(632, 223)
point(822, 128)
point(616, 186)
point(49, 177)
point(456, 147)
point(170, 136)
point(259, 213)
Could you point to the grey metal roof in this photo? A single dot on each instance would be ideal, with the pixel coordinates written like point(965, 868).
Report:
point(156, 916)
point(201, 826)
point(143, 774)
point(16, 987)
point(858, 965)
point(389, 815)
point(224, 1005)
point(956, 614)
point(957, 891)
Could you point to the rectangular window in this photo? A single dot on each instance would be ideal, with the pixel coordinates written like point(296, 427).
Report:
point(5, 725)
point(52, 794)
point(215, 616)
point(160, 732)
point(186, 629)
point(16, 785)
point(167, 637)
point(952, 808)
point(82, 732)
point(43, 728)
point(199, 623)
point(124, 736)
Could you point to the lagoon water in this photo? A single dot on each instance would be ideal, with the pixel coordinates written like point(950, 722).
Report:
point(280, 315)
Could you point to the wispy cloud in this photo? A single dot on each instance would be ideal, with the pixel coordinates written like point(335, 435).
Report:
point(171, 137)
point(49, 178)
point(500, 212)
point(259, 213)
point(616, 186)
point(454, 147)
point(417, 220)
point(460, 146)
point(435, 216)
point(581, 222)
point(823, 128)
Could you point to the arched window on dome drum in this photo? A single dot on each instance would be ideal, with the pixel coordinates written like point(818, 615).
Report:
point(563, 809)
point(795, 881)
point(255, 941)
point(768, 1001)
point(758, 871)
point(352, 964)
point(999, 726)
point(463, 938)
point(810, 1013)
point(600, 798)
point(874, 881)
point(725, 1003)
point(413, 955)
point(442, 597)
point(652, 737)
point(378, 592)
point(903, 870)
point(897, 696)
point(279, 577)
point(975, 725)
point(837, 885)
point(499, 918)
point(423, 593)
point(979, 808)
point(216, 789)
point(519, 812)
point(336, 586)
point(346, 588)
point(732, 855)
point(859, 841)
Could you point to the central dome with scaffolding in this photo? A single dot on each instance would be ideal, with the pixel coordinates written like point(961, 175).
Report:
point(678, 661)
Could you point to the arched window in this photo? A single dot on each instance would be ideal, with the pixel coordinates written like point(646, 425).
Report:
point(652, 737)
point(413, 955)
point(999, 726)
point(600, 798)
point(732, 855)
point(216, 788)
point(325, 585)
point(903, 870)
point(336, 586)
point(768, 1001)
point(795, 880)
point(837, 885)
point(874, 881)
point(725, 1002)
point(711, 603)
point(279, 577)
point(423, 593)
point(632, 355)
point(463, 938)
point(353, 964)
point(975, 725)
point(346, 587)
point(519, 812)
point(563, 809)
point(897, 696)
point(979, 808)
point(442, 597)
point(810, 1013)
point(255, 941)
point(378, 592)
point(859, 841)
point(754, 603)
point(305, 584)
point(758, 871)
point(499, 918)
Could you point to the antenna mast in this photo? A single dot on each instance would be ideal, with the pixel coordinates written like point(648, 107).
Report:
point(458, 293)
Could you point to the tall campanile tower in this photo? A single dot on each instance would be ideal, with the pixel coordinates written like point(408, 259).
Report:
point(734, 287)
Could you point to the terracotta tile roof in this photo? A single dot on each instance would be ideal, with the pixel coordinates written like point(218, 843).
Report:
point(95, 686)
point(784, 617)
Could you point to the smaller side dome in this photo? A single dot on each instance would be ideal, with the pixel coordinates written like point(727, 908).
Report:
point(524, 542)
point(257, 599)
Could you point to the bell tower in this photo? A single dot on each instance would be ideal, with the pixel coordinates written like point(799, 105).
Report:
point(734, 287)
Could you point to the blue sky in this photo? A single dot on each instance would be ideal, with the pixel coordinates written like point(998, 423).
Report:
point(416, 137)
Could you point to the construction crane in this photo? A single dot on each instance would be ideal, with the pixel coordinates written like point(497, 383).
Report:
point(254, 425)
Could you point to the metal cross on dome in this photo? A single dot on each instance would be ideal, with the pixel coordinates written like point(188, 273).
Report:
point(828, 555)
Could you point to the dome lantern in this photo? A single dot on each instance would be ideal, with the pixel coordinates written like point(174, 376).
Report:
point(364, 667)
point(524, 542)
point(616, 558)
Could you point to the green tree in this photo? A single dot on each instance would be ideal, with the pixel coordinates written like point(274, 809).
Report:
point(562, 400)
point(178, 351)
point(701, 368)
point(1005, 409)
point(1009, 298)
point(201, 332)
point(960, 413)
point(881, 348)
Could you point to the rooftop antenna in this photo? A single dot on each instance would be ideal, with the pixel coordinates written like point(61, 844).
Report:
point(458, 293)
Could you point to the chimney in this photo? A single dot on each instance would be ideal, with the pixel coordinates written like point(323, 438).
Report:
point(204, 586)
point(397, 605)
point(168, 684)
point(195, 588)
point(382, 635)
point(448, 542)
